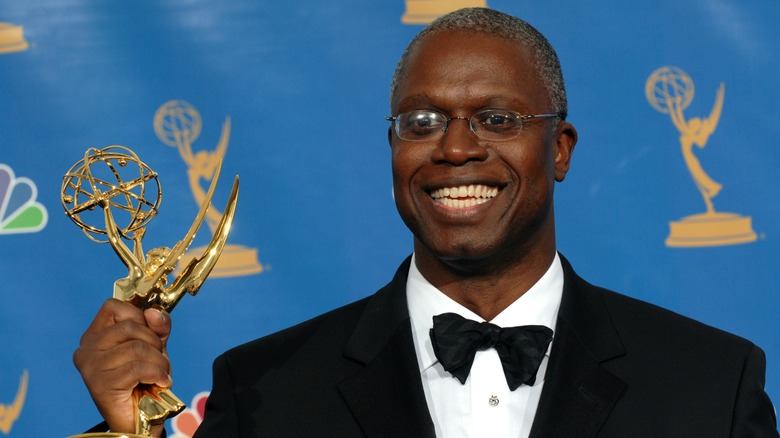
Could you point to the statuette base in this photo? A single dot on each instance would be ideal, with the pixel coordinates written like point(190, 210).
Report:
point(711, 229)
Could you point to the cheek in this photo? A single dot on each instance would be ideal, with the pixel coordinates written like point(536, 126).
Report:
point(405, 164)
point(536, 174)
point(401, 169)
point(529, 162)
point(398, 167)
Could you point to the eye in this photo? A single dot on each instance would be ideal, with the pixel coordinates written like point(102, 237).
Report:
point(420, 123)
point(497, 120)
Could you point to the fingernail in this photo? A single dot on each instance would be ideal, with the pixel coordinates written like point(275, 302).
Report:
point(163, 315)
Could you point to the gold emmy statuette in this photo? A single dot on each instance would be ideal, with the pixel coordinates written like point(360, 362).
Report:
point(425, 11)
point(112, 195)
point(178, 124)
point(670, 90)
point(12, 38)
point(10, 413)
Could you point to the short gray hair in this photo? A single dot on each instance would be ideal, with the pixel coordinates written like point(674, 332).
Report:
point(492, 22)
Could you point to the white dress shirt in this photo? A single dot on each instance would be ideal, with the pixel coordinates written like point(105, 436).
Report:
point(483, 406)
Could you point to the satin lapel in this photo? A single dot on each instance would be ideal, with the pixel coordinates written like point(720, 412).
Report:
point(579, 393)
point(386, 396)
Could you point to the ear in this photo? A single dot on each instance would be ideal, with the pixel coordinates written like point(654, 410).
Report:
point(564, 142)
point(390, 136)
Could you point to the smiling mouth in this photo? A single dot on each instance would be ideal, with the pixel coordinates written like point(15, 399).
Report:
point(464, 196)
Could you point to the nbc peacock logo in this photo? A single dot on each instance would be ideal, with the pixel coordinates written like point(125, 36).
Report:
point(20, 212)
point(186, 423)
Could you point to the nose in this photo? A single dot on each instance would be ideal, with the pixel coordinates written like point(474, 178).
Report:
point(458, 144)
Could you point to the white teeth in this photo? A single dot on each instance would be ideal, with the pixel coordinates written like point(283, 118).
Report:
point(462, 203)
point(464, 196)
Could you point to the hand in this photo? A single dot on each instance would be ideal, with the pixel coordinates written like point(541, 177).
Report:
point(123, 347)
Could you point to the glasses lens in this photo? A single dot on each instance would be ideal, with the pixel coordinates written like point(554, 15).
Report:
point(419, 125)
point(496, 124)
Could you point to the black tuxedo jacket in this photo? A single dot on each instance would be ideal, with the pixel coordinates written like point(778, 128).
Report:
point(618, 368)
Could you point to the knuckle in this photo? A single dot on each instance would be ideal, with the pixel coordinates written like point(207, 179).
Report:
point(78, 358)
point(109, 306)
point(144, 372)
point(127, 329)
point(139, 349)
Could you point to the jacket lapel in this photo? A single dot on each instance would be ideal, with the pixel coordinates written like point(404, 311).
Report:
point(386, 396)
point(579, 393)
point(387, 399)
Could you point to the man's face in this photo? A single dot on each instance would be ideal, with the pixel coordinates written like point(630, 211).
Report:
point(458, 74)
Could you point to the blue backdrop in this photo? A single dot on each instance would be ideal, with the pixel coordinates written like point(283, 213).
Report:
point(315, 212)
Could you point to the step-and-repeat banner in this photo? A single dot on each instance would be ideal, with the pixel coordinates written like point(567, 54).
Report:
point(672, 197)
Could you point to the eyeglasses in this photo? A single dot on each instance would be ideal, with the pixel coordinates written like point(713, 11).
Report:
point(489, 124)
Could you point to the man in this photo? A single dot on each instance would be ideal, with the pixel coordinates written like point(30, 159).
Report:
point(478, 139)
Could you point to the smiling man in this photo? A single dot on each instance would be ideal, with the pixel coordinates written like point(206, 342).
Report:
point(493, 130)
point(486, 330)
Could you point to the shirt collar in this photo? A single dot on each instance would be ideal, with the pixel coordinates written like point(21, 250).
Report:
point(538, 306)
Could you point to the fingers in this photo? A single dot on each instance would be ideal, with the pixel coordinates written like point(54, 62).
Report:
point(117, 322)
point(122, 347)
point(112, 312)
point(125, 364)
point(122, 334)
point(121, 369)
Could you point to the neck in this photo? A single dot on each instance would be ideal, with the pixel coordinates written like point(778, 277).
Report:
point(483, 286)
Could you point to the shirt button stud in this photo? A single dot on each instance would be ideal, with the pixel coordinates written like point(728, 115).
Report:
point(493, 401)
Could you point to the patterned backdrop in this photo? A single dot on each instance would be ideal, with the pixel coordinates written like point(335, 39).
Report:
point(672, 197)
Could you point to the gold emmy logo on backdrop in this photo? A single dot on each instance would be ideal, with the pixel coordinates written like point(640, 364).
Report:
point(670, 90)
point(12, 38)
point(10, 413)
point(178, 124)
point(425, 11)
point(112, 193)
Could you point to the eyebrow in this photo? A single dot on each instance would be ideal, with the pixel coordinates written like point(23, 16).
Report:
point(427, 101)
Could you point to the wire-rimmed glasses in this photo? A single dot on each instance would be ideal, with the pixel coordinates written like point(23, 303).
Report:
point(490, 124)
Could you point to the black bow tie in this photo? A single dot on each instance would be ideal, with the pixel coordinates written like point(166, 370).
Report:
point(456, 341)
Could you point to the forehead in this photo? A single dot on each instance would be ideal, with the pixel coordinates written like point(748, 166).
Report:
point(470, 69)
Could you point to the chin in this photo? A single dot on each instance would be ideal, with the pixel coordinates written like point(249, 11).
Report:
point(463, 255)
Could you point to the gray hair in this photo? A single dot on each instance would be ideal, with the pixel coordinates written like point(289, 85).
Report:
point(492, 22)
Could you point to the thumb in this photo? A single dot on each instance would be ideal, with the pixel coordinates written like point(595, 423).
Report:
point(160, 323)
